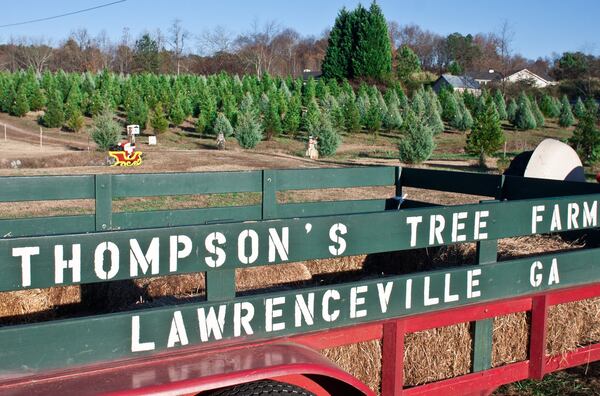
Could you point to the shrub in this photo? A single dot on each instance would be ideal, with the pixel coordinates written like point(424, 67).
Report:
point(417, 143)
point(105, 130)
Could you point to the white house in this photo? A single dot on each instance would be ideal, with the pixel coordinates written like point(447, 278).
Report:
point(529, 76)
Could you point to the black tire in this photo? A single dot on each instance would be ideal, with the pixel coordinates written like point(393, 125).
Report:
point(265, 387)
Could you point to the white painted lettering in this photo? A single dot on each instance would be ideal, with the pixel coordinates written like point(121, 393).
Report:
point(384, 293)
point(102, 248)
point(573, 210)
point(25, 253)
point(304, 310)
point(414, 224)
point(336, 229)
point(60, 264)
point(436, 226)
point(555, 223)
point(536, 217)
point(427, 300)
point(408, 299)
point(355, 301)
point(209, 243)
point(136, 345)
point(590, 215)
point(177, 334)
point(212, 323)
point(458, 226)
point(472, 283)
point(242, 321)
point(175, 253)
point(447, 296)
point(553, 278)
point(150, 260)
point(479, 225)
point(243, 237)
point(327, 314)
point(271, 313)
point(279, 245)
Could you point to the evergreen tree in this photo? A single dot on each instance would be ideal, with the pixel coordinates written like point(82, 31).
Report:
point(524, 118)
point(309, 91)
point(450, 111)
point(352, 116)
point(222, 128)
point(393, 119)
point(272, 120)
point(54, 116)
point(158, 119)
point(511, 111)
point(407, 63)
point(105, 130)
point(8, 97)
point(74, 118)
point(337, 61)
point(418, 104)
point(137, 113)
point(548, 107)
point(312, 117)
point(417, 143)
point(487, 136)
point(248, 131)
point(20, 105)
point(37, 99)
point(291, 122)
point(328, 138)
point(586, 137)
point(566, 118)
point(372, 55)
point(579, 109)
point(176, 112)
point(374, 118)
point(466, 120)
point(537, 113)
point(332, 108)
point(434, 121)
point(500, 105)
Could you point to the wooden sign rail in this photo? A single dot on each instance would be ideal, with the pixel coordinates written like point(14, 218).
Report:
point(107, 246)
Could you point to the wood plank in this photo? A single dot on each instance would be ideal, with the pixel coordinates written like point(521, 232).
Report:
point(306, 179)
point(39, 188)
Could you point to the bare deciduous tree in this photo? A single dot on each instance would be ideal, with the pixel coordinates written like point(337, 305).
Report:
point(255, 47)
point(178, 37)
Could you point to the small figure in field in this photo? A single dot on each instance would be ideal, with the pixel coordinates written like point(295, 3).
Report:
point(312, 151)
point(221, 141)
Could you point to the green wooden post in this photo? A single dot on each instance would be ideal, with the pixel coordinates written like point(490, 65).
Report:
point(483, 331)
point(269, 194)
point(103, 187)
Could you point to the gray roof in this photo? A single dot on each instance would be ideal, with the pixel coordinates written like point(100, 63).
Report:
point(464, 82)
point(485, 75)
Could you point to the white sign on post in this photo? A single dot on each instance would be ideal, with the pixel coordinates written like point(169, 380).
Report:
point(133, 129)
point(152, 140)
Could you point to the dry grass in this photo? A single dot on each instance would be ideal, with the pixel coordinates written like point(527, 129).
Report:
point(362, 360)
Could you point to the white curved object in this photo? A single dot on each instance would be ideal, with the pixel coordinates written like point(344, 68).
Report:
point(555, 160)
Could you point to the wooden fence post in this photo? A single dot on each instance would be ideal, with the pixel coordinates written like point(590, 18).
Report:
point(5, 132)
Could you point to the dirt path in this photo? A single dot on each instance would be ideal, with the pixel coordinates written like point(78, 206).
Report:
point(16, 133)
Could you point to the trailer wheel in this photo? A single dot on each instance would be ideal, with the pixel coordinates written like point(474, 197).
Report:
point(265, 387)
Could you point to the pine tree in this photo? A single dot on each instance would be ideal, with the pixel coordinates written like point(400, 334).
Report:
point(417, 143)
point(37, 99)
point(407, 63)
point(450, 111)
point(74, 118)
point(176, 112)
point(158, 119)
point(487, 136)
point(20, 105)
point(500, 105)
point(352, 116)
point(579, 109)
point(434, 121)
point(328, 139)
point(393, 119)
point(524, 118)
point(291, 122)
point(312, 117)
point(337, 61)
point(54, 116)
point(537, 113)
point(586, 137)
point(511, 111)
point(566, 118)
point(372, 55)
point(374, 118)
point(137, 113)
point(248, 131)
point(222, 129)
point(548, 107)
point(272, 120)
point(105, 130)
point(466, 120)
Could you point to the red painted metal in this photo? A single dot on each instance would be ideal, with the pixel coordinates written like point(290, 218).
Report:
point(475, 382)
point(192, 370)
point(578, 357)
point(191, 373)
point(392, 374)
point(537, 340)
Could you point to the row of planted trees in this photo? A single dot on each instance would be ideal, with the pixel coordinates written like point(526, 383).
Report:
point(252, 109)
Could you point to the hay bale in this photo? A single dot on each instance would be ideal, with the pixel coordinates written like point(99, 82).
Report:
point(510, 339)
point(362, 360)
point(25, 306)
point(572, 325)
point(274, 276)
point(437, 354)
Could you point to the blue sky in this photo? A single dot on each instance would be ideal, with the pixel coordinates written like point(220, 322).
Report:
point(541, 27)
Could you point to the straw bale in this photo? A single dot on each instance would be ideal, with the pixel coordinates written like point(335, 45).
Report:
point(35, 304)
point(510, 339)
point(362, 360)
point(572, 325)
